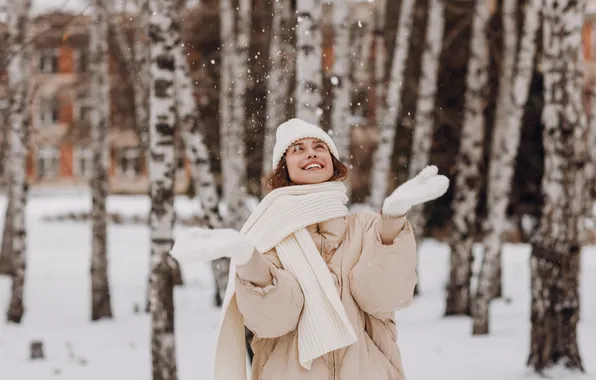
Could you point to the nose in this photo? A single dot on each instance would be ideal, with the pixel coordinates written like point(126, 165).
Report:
point(310, 152)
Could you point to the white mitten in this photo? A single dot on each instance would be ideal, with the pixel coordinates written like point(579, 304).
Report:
point(202, 244)
point(426, 186)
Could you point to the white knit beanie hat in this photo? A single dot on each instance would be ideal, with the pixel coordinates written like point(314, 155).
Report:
point(295, 129)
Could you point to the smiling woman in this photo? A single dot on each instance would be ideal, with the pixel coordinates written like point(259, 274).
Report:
point(307, 161)
point(317, 284)
point(304, 155)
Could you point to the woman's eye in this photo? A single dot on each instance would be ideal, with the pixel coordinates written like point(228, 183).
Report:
point(319, 147)
point(297, 148)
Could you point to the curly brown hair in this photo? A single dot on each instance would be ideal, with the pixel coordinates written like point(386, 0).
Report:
point(280, 177)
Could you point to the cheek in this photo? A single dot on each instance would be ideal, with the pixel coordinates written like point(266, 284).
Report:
point(293, 166)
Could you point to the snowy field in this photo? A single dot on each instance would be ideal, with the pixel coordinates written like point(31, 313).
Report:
point(58, 308)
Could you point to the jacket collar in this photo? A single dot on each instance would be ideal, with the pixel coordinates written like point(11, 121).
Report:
point(328, 235)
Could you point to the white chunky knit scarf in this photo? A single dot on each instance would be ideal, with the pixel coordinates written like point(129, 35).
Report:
point(280, 222)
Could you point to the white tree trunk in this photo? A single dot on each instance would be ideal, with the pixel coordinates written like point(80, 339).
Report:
point(136, 59)
point(342, 83)
point(141, 85)
point(380, 60)
point(591, 164)
point(200, 162)
point(361, 47)
point(281, 56)
point(234, 161)
point(226, 91)
point(555, 260)
point(391, 109)
point(162, 34)
point(309, 77)
point(6, 246)
point(18, 80)
point(469, 163)
point(100, 124)
point(504, 103)
point(510, 109)
point(425, 107)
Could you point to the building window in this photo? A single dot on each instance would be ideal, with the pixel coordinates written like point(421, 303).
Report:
point(129, 162)
point(81, 58)
point(83, 164)
point(48, 61)
point(49, 111)
point(47, 162)
point(82, 112)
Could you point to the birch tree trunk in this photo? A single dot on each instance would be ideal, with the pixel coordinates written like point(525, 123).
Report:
point(591, 164)
point(234, 162)
point(226, 92)
point(309, 78)
point(506, 138)
point(162, 172)
point(425, 107)
point(18, 80)
point(141, 85)
point(380, 60)
point(100, 116)
point(135, 57)
point(382, 157)
point(6, 247)
point(280, 74)
point(200, 162)
point(510, 32)
point(425, 113)
point(469, 163)
point(361, 46)
point(226, 103)
point(342, 83)
point(555, 260)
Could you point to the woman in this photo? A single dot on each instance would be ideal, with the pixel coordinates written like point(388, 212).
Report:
point(317, 285)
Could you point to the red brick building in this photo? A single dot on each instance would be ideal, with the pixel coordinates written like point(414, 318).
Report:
point(59, 145)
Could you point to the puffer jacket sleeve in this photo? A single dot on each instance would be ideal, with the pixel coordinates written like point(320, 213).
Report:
point(269, 297)
point(384, 278)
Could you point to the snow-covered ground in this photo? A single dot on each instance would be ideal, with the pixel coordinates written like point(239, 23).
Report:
point(57, 301)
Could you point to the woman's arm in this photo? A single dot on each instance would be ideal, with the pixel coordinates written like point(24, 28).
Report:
point(269, 298)
point(390, 227)
point(384, 278)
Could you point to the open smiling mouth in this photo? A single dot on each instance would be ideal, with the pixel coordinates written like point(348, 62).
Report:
point(313, 166)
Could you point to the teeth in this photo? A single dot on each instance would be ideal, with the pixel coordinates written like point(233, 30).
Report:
point(313, 166)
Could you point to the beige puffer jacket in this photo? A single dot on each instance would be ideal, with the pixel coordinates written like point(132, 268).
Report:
point(373, 281)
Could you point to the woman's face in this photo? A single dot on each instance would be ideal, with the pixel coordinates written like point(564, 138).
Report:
point(309, 162)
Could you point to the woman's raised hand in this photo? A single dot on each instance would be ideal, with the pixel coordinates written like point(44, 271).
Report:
point(202, 244)
point(426, 186)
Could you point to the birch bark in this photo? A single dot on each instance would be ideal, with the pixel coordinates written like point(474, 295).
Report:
point(281, 56)
point(555, 259)
point(100, 119)
point(309, 78)
point(425, 107)
point(504, 152)
point(161, 173)
point(469, 163)
point(18, 81)
point(342, 83)
point(391, 108)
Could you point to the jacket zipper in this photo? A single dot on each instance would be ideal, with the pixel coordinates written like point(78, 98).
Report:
point(332, 359)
